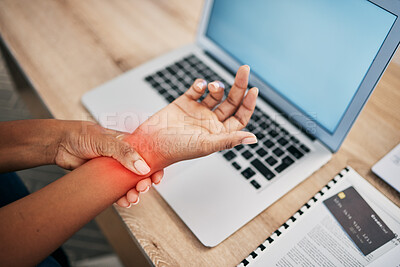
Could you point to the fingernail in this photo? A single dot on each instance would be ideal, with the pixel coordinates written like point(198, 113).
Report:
point(158, 182)
point(249, 140)
point(145, 190)
point(136, 202)
point(217, 85)
point(201, 84)
point(141, 167)
point(130, 205)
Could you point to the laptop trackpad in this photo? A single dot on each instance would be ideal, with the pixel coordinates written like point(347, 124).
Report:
point(207, 195)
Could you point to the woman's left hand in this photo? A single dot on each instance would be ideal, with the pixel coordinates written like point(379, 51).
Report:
point(83, 140)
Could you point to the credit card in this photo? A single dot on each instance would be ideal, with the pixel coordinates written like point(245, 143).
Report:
point(367, 230)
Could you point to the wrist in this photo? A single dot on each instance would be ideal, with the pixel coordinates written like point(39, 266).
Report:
point(148, 148)
point(55, 133)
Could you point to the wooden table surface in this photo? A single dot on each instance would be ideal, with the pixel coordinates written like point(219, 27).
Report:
point(68, 47)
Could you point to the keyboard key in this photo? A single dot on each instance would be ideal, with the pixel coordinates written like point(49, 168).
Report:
point(236, 165)
point(295, 152)
point(268, 143)
point(271, 161)
point(255, 117)
point(284, 131)
point(262, 152)
point(263, 125)
point(294, 139)
point(305, 148)
point(250, 127)
point(253, 145)
point(170, 98)
point(229, 155)
point(239, 147)
point(162, 91)
point(155, 84)
point(273, 133)
point(282, 141)
point(171, 70)
point(248, 173)
point(179, 64)
point(255, 184)
point(259, 135)
point(262, 169)
point(286, 162)
point(277, 151)
point(278, 128)
point(247, 154)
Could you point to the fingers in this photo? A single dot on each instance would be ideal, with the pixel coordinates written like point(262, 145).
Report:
point(218, 142)
point(243, 114)
point(127, 156)
point(131, 198)
point(215, 96)
point(235, 97)
point(123, 202)
point(197, 89)
point(143, 185)
point(157, 176)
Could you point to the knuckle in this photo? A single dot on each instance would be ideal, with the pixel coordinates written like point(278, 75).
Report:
point(228, 144)
point(231, 100)
point(216, 96)
point(125, 150)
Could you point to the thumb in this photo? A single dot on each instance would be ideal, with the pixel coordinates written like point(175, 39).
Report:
point(125, 154)
point(229, 140)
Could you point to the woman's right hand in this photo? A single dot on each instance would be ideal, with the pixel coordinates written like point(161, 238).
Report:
point(187, 129)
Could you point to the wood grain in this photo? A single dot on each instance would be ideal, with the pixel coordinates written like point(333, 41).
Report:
point(67, 47)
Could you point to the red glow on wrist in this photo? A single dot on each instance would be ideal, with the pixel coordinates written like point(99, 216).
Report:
point(114, 177)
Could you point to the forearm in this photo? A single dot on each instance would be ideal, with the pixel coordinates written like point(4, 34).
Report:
point(28, 143)
point(32, 227)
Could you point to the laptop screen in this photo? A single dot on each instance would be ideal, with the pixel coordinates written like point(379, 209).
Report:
point(314, 53)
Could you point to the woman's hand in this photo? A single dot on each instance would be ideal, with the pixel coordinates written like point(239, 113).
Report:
point(83, 140)
point(184, 129)
point(187, 129)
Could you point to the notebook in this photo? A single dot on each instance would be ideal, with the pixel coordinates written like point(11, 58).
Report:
point(347, 223)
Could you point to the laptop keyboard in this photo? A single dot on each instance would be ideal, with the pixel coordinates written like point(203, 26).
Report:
point(276, 149)
point(174, 80)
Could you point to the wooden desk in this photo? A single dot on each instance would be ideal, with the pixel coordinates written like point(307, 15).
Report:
point(68, 47)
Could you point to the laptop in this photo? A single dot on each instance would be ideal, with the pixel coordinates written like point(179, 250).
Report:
point(315, 64)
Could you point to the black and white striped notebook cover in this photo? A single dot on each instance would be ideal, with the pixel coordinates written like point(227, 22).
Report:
point(284, 227)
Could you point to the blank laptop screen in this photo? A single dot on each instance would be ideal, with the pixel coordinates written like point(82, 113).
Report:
point(314, 53)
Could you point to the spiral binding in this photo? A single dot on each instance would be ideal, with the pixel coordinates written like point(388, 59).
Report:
point(283, 228)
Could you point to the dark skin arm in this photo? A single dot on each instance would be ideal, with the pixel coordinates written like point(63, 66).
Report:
point(32, 227)
point(68, 144)
point(28, 143)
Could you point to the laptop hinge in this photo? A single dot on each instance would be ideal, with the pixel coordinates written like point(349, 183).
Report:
point(218, 62)
point(278, 110)
point(293, 122)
